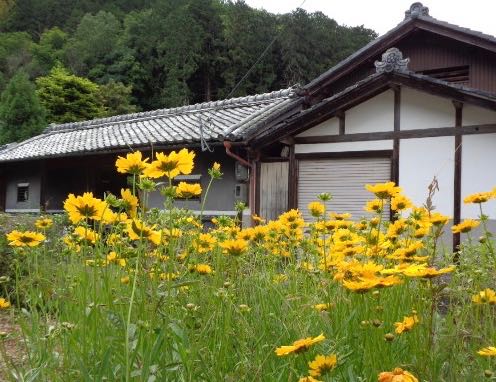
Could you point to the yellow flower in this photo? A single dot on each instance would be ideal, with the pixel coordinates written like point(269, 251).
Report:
point(336, 216)
point(290, 216)
point(406, 325)
point(465, 226)
point(131, 164)
point(137, 230)
point(308, 379)
point(86, 234)
point(130, 201)
point(188, 190)
point(299, 345)
point(246, 234)
point(439, 219)
point(479, 197)
point(171, 165)
point(316, 209)
point(168, 276)
point(25, 239)
point(306, 266)
point(322, 364)
point(205, 243)
point(214, 172)
point(85, 207)
point(174, 233)
point(489, 351)
point(322, 307)
point(234, 247)
point(400, 202)
point(202, 269)
point(4, 304)
point(258, 219)
point(279, 278)
point(43, 223)
point(125, 280)
point(396, 228)
point(486, 296)
point(114, 239)
point(383, 190)
point(421, 232)
point(365, 284)
point(112, 257)
point(71, 243)
point(404, 253)
point(422, 270)
point(374, 206)
point(397, 375)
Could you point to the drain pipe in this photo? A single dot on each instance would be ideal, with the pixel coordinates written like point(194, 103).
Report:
point(253, 174)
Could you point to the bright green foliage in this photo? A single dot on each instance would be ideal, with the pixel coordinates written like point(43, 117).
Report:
point(91, 51)
point(69, 98)
point(212, 61)
point(243, 50)
point(311, 43)
point(49, 51)
point(15, 52)
point(117, 98)
point(21, 115)
point(171, 40)
point(5, 7)
point(173, 52)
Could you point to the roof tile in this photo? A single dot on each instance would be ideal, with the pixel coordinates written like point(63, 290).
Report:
point(164, 126)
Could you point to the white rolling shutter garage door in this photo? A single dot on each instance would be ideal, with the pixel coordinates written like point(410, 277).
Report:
point(345, 179)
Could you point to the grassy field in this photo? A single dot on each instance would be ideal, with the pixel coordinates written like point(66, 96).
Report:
point(130, 294)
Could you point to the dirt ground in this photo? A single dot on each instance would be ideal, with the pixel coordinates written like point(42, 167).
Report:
point(10, 342)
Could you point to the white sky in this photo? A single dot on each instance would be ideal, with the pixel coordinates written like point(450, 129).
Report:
point(383, 15)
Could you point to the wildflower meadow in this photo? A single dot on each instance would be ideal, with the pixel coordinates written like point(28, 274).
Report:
point(127, 293)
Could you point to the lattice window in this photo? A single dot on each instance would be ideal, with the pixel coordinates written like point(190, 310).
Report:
point(22, 192)
point(455, 74)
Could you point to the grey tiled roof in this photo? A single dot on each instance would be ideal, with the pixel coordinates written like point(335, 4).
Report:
point(177, 126)
point(378, 42)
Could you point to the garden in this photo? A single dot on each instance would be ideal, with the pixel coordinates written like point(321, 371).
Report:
point(114, 291)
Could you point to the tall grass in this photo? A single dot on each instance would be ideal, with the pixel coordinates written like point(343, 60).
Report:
point(155, 312)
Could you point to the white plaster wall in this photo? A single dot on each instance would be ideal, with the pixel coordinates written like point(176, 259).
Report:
point(420, 110)
point(474, 115)
point(376, 114)
point(420, 160)
point(343, 147)
point(478, 172)
point(329, 127)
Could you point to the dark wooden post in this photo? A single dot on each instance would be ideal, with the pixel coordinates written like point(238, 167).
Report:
point(43, 196)
point(342, 122)
point(292, 179)
point(457, 186)
point(395, 161)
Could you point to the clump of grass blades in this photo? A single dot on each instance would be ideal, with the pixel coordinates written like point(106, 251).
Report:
point(131, 294)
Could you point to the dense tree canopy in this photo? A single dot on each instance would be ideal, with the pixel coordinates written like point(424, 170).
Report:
point(21, 115)
point(148, 54)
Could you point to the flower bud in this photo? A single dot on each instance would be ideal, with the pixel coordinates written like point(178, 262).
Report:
point(389, 337)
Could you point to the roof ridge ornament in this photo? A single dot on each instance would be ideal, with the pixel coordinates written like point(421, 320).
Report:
point(392, 61)
point(417, 9)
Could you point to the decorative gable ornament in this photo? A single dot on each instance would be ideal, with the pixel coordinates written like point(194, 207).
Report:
point(392, 61)
point(416, 10)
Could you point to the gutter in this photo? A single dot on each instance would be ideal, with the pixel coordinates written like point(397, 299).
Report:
point(244, 162)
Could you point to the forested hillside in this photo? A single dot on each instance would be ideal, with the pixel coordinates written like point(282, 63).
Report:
point(69, 60)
